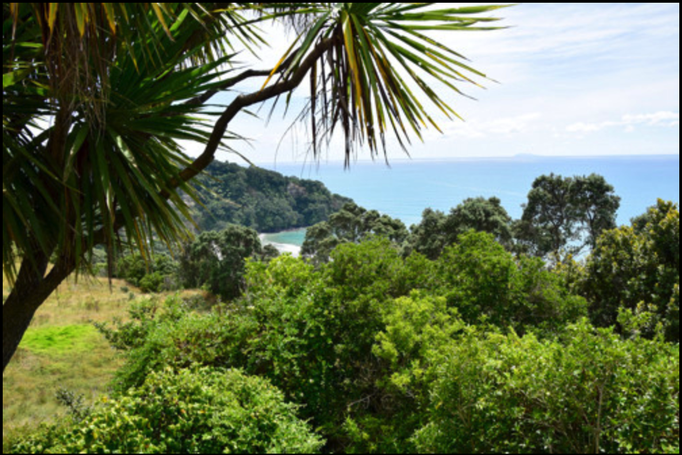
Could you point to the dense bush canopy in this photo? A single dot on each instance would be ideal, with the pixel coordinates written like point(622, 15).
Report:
point(588, 392)
point(637, 268)
point(262, 200)
point(387, 352)
point(198, 410)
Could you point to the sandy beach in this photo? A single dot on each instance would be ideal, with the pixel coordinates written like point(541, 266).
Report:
point(283, 248)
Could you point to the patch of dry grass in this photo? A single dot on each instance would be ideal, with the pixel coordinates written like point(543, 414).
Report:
point(82, 362)
point(32, 378)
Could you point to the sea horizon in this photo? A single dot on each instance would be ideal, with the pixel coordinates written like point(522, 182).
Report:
point(407, 187)
point(269, 164)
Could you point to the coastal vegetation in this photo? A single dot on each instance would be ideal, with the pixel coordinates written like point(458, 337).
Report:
point(469, 332)
point(564, 215)
point(351, 224)
point(259, 199)
point(377, 348)
point(215, 260)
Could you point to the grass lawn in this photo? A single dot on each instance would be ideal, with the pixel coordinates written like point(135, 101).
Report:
point(62, 349)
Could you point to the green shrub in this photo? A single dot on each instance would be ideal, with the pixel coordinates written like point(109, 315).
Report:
point(589, 392)
point(170, 335)
point(132, 268)
point(487, 284)
point(199, 410)
point(200, 302)
point(151, 276)
point(152, 282)
point(635, 266)
point(132, 333)
point(145, 316)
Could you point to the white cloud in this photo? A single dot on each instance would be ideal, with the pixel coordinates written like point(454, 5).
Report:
point(582, 127)
point(476, 128)
point(653, 119)
point(663, 118)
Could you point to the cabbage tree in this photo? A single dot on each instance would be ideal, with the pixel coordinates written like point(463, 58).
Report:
point(96, 97)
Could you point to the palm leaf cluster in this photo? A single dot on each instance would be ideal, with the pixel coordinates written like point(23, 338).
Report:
point(93, 110)
point(382, 70)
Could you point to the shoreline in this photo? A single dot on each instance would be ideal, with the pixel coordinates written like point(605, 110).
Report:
point(283, 248)
point(285, 231)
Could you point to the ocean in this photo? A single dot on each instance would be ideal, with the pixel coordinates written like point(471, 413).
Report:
point(406, 188)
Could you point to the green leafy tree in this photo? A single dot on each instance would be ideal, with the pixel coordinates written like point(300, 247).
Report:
point(563, 215)
point(437, 231)
point(351, 224)
point(429, 237)
point(217, 259)
point(487, 284)
point(547, 224)
point(118, 86)
point(638, 269)
point(596, 205)
point(483, 215)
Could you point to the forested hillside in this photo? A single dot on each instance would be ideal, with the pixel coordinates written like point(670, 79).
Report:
point(260, 199)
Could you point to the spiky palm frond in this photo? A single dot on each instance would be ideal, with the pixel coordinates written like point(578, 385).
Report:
point(380, 72)
point(87, 157)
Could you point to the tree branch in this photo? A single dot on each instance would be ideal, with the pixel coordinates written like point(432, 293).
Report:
point(239, 103)
point(201, 99)
point(242, 101)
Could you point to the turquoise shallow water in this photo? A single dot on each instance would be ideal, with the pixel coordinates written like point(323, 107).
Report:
point(406, 188)
point(287, 237)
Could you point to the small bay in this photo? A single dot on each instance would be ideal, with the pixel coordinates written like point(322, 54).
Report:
point(285, 241)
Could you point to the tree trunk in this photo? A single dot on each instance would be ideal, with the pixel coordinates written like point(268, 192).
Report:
point(31, 289)
point(17, 314)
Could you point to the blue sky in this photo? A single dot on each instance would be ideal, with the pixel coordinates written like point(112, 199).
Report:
point(574, 79)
